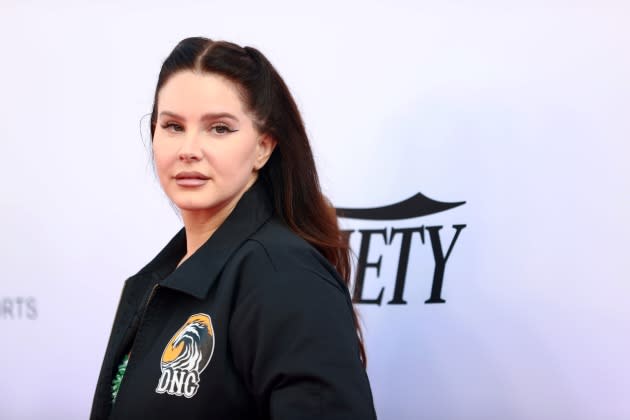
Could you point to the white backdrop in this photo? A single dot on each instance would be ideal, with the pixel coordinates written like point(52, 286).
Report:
point(521, 110)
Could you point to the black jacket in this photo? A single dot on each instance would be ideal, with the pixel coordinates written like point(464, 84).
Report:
point(254, 325)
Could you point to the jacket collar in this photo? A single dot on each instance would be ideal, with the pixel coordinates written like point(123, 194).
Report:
point(198, 273)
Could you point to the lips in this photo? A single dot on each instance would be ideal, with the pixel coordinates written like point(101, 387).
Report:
point(191, 179)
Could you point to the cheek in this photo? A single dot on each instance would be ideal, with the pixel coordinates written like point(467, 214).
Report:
point(236, 160)
point(161, 161)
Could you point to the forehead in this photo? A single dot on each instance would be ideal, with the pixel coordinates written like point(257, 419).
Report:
point(192, 93)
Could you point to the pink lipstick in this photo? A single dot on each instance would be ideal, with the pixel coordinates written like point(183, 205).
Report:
point(191, 179)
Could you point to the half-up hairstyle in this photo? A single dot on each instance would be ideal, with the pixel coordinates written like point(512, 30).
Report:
point(290, 175)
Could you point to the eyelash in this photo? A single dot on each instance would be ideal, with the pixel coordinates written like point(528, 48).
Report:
point(224, 127)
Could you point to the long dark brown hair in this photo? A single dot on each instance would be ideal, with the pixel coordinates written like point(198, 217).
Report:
point(290, 174)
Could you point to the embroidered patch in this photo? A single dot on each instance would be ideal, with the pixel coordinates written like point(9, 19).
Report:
point(185, 356)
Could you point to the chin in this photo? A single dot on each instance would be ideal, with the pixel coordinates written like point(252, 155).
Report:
point(190, 204)
point(198, 201)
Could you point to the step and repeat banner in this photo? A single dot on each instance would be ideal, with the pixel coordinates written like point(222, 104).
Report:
point(477, 153)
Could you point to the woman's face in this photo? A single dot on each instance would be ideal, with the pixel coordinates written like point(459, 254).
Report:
point(207, 151)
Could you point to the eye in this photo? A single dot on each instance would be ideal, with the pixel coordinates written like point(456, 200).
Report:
point(171, 126)
point(221, 129)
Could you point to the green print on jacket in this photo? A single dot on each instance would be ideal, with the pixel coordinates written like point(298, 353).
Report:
point(119, 376)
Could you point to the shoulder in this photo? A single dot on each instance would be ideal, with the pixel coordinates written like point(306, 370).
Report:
point(276, 254)
point(279, 273)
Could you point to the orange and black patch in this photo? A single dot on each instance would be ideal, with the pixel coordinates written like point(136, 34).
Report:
point(186, 356)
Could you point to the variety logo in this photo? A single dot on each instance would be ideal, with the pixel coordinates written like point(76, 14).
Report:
point(186, 355)
point(416, 206)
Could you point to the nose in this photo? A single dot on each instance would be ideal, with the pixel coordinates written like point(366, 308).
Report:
point(188, 156)
point(190, 150)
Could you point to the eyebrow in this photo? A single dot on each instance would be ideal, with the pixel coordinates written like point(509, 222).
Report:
point(207, 116)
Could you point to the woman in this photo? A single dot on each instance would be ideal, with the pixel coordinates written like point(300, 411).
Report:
point(245, 314)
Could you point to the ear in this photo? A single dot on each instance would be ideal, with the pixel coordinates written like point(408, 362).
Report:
point(264, 148)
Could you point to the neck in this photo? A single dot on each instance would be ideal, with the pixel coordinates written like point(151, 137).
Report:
point(200, 225)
